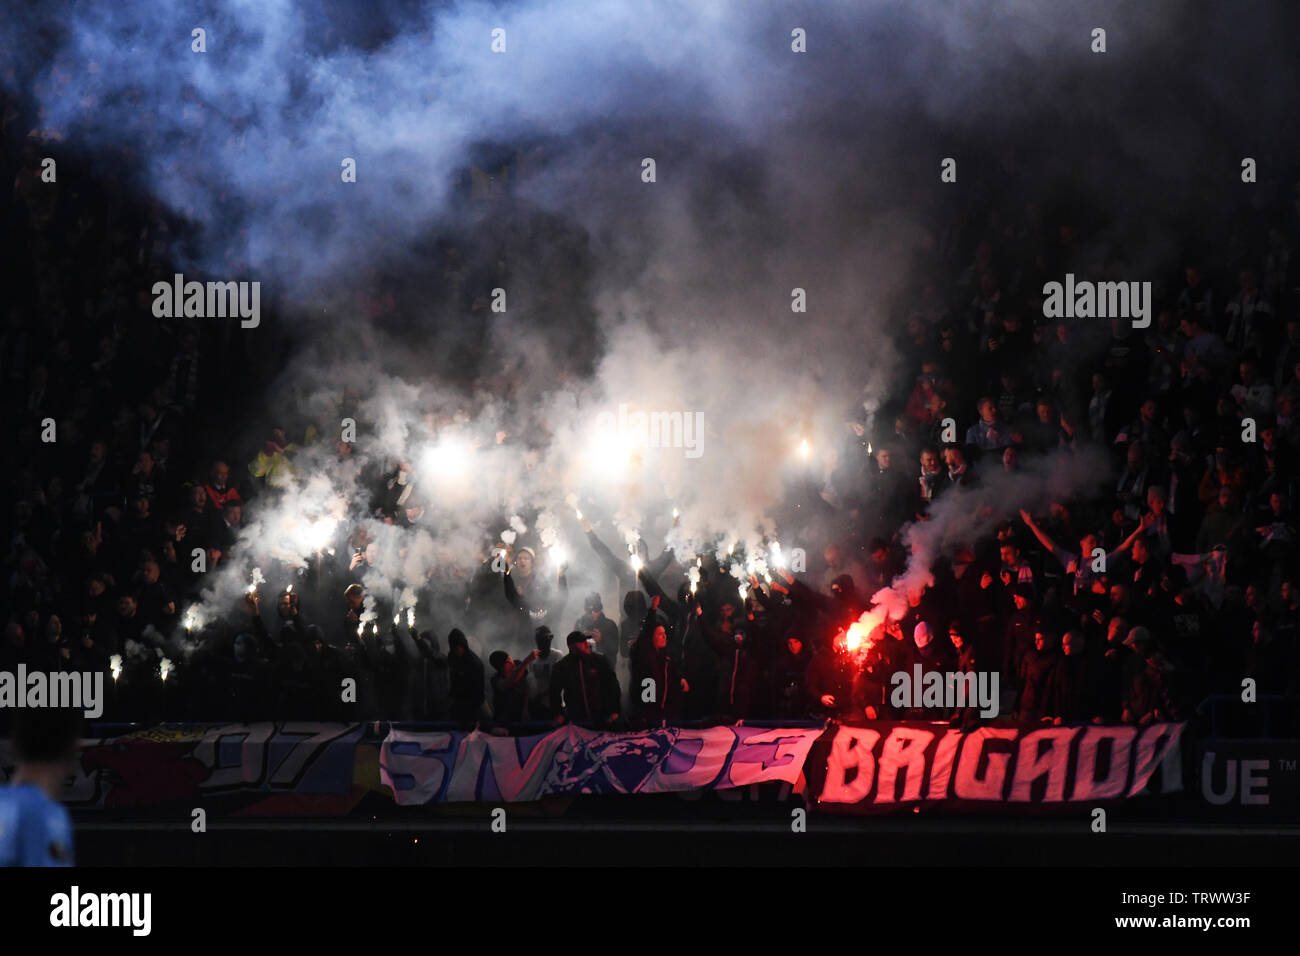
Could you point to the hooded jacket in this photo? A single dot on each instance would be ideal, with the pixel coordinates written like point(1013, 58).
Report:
point(607, 631)
point(466, 690)
point(584, 688)
point(738, 670)
point(791, 695)
point(634, 611)
point(660, 667)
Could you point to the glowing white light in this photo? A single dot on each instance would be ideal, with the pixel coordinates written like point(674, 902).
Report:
point(115, 665)
point(449, 459)
point(320, 532)
point(578, 512)
point(410, 617)
point(694, 586)
point(637, 563)
point(676, 514)
point(164, 668)
point(559, 555)
point(613, 452)
point(397, 618)
point(804, 450)
point(868, 448)
point(289, 589)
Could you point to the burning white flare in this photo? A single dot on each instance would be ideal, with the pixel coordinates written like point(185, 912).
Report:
point(321, 532)
point(449, 459)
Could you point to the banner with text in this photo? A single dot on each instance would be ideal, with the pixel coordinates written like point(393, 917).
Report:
point(902, 765)
point(445, 766)
point(156, 765)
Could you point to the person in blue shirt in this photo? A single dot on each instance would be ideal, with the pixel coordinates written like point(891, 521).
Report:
point(35, 829)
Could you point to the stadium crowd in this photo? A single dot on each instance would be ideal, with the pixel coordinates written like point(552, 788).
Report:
point(1173, 580)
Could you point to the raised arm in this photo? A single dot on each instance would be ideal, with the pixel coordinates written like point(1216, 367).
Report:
point(1147, 520)
point(652, 587)
point(618, 568)
point(1043, 538)
point(660, 564)
point(521, 669)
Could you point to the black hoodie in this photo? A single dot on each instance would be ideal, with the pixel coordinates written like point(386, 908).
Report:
point(791, 695)
point(466, 690)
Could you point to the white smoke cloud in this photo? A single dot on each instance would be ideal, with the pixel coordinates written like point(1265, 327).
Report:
point(679, 298)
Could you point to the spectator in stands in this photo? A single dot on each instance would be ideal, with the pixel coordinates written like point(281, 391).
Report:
point(584, 688)
point(509, 686)
point(465, 670)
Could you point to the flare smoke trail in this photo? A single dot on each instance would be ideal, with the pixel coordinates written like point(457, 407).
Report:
point(774, 171)
point(962, 516)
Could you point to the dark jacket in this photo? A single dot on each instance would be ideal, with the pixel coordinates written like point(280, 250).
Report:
point(1036, 676)
point(830, 674)
point(874, 685)
point(790, 692)
point(1148, 690)
point(509, 695)
point(738, 669)
point(606, 632)
point(539, 606)
point(584, 688)
point(466, 691)
point(1018, 640)
point(659, 667)
point(1072, 693)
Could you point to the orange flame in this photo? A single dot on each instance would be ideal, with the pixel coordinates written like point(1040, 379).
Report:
point(860, 634)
